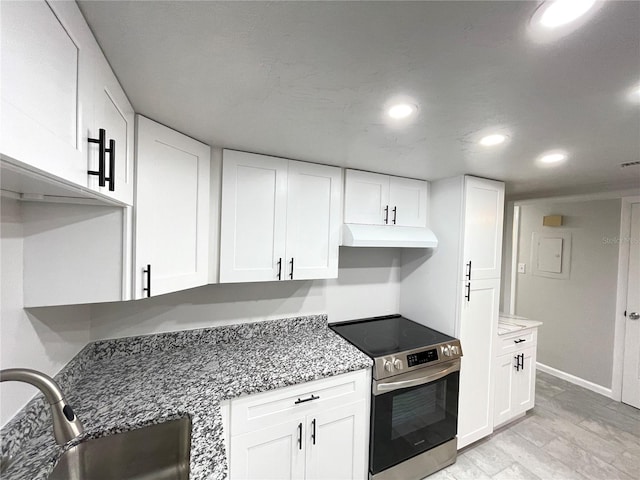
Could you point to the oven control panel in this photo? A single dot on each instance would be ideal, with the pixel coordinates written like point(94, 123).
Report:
point(422, 357)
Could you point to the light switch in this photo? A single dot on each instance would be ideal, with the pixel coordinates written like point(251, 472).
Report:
point(522, 267)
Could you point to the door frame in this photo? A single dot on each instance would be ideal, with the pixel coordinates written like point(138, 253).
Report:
point(621, 296)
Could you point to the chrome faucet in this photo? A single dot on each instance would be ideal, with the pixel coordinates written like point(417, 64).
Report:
point(66, 425)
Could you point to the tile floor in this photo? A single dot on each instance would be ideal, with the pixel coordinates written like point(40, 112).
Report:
point(572, 433)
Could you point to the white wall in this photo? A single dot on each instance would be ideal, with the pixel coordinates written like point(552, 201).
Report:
point(44, 338)
point(368, 284)
point(578, 312)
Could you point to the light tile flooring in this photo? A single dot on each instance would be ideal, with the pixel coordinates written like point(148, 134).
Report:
point(572, 433)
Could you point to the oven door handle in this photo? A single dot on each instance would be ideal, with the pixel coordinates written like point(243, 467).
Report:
point(379, 388)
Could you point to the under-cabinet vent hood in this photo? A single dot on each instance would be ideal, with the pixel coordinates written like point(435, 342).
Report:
point(354, 235)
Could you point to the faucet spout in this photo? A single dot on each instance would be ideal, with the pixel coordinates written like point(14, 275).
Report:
point(66, 425)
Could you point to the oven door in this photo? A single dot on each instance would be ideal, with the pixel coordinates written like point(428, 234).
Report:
point(412, 413)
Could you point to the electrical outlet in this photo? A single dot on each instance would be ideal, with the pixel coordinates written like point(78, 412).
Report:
point(522, 267)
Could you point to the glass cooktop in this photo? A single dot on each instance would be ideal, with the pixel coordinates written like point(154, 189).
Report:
point(379, 336)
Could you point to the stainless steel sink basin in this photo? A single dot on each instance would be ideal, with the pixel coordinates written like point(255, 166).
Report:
point(158, 452)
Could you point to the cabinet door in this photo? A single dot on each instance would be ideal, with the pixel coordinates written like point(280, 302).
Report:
point(524, 382)
point(252, 230)
point(366, 198)
point(337, 443)
point(408, 202)
point(484, 212)
point(477, 330)
point(114, 114)
point(172, 210)
point(45, 67)
point(313, 221)
point(503, 397)
point(274, 453)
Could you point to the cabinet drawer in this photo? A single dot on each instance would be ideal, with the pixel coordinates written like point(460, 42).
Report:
point(259, 411)
point(516, 341)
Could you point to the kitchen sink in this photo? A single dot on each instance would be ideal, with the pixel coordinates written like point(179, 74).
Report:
point(158, 452)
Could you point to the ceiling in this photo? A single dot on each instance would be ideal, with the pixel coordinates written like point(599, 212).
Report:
point(311, 81)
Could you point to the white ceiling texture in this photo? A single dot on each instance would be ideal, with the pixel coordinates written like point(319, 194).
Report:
point(312, 81)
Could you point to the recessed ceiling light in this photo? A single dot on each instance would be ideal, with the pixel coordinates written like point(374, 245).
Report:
point(560, 12)
point(553, 158)
point(493, 139)
point(634, 94)
point(401, 110)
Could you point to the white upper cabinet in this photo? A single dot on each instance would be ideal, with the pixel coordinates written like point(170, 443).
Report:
point(113, 119)
point(279, 219)
point(408, 202)
point(46, 67)
point(375, 199)
point(253, 217)
point(313, 228)
point(484, 213)
point(366, 198)
point(172, 211)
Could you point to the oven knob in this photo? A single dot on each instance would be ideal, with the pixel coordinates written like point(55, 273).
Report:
point(445, 350)
point(387, 366)
point(454, 349)
point(397, 363)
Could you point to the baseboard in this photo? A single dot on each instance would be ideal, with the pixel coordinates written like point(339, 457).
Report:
point(594, 387)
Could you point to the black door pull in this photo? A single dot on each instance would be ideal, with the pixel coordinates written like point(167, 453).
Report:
point(312, 397)
point(468, 295)
point(313, 431)
point(280, 268)
point(100, 173)
point(300, 436)
point(112, 165)
point(147, 272)
point(520, 340)
point(395, 213)
point(386, 215)
point(291, 274)
point(468, 274)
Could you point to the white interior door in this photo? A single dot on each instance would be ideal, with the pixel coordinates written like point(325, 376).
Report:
point(253, 217)
point(366, 197)
point(313, 221)
point(408, 202)
point(484, 214)
point(477, 331)
point(631, 368)
point(172, 210)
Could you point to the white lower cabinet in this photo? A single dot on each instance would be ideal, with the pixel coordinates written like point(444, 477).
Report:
point(515, 378)
point(317, 430)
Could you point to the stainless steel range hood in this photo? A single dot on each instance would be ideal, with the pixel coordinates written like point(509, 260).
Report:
point(355, 235)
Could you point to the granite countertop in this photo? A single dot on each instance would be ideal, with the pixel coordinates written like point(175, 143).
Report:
point(512, 323)
point(119, 385)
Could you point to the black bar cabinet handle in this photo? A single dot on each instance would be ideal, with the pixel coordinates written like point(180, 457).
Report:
point(312, 397)
point(468, 295)
point(313, 431)
point(522, 361)
point(280, 268)
point(386, 215)
point(101, 151)
point(520, 340)
point(395, 213)
point(468, 275)
point(147, 272)
point(112, 165)
point(517, 365)
point(291, 274)
point(300, 435)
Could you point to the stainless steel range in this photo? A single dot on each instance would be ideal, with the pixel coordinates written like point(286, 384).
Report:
point(414, 395)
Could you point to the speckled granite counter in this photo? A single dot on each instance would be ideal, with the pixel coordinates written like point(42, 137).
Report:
point(118, 385)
